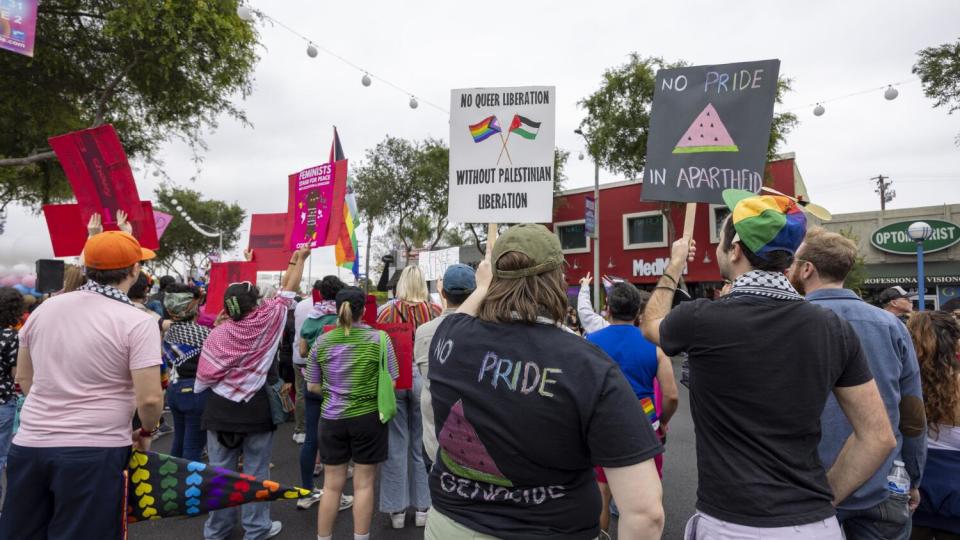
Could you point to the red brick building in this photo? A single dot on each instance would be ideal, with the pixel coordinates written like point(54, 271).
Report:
point(634, 235)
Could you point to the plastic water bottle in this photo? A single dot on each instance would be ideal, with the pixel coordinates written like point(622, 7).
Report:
point(898, 482)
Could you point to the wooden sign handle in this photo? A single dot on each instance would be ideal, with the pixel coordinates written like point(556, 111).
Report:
point(689, 219)
point(491, 237)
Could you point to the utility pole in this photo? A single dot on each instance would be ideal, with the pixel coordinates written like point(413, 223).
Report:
point(883, 189)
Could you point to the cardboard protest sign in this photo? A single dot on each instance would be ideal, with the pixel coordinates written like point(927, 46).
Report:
point(162, 486)
point(313, 200)
point(434, 263)
point(68, 230)
point(18, 26)
point(98, 171)
point(268, 240)
point(709, 130)
point(221, 276)
point(401, 336)
point(501, 154)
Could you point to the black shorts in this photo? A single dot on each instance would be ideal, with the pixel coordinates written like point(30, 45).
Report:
point(361, 438)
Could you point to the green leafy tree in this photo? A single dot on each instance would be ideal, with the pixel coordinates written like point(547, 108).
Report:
point(939, 72)
point(858, 274)
point(181, 243)
point(152, 69)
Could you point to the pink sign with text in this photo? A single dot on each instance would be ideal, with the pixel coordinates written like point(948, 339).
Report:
point(309, 206)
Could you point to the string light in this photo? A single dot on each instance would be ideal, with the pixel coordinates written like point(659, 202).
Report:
point(889, 92)
point(247, 14)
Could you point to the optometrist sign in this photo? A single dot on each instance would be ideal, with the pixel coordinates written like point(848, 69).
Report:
point(893, 238)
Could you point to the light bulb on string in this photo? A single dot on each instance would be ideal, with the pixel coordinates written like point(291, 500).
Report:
point(174, 202)
point(891, 93)
point(580, 157)
point(179, 209)
point(245, 13)
point(413, 103)
point(366, 81)
point(156, 172)
point(819, 110)
point(311, 51)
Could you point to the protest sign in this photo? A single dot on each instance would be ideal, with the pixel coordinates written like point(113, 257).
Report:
point(68, 230)
point(97, 168)
point(161, 221)
point(18, 25)
point(709, 131)
point(501, 155)
point(434, 263)
point(221, 276)
point(315, 196)
point(401, 337)
point(268, 240)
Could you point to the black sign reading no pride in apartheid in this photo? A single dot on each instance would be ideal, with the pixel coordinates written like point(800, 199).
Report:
point(709, 130)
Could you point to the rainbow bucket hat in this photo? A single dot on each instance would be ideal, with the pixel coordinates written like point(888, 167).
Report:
point(766, 223)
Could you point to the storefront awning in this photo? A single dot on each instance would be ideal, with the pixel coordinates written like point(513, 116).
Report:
point(936, 273)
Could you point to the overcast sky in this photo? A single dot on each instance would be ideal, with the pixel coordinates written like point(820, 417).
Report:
point(829, 48)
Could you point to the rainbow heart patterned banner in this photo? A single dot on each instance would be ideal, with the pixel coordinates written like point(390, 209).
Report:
point(162, 486)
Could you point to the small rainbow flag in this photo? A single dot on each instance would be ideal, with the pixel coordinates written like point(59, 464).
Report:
point(651, 411)
point(484, 128)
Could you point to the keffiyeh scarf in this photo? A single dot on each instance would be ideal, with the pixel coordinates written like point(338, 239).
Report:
point(323, 308)
point(110, 292)
point(763, 283)
point(183, 342)
point(237, 354)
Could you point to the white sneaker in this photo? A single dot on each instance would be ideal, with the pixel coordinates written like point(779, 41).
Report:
point(346, 501)
point(275, 528)
point(397, 520)
point(313, 499)
point(299, 437)
point(422, 518)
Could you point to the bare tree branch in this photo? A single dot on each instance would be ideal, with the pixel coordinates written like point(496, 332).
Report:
point(110, 89)
point(29, 160)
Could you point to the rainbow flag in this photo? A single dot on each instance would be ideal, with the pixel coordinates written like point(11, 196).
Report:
point(484, 129)
point(345, 250)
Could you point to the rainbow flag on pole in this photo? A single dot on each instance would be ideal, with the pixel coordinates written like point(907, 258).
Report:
point(346, 248)
point(484, 129)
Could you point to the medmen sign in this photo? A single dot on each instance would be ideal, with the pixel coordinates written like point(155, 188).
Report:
point(893, 238)
point(709, 131)
point(501, 155)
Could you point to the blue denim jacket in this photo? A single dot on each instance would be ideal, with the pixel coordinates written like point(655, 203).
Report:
point(893, 362)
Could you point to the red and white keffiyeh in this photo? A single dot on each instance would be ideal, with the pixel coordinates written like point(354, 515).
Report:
point(237, 354)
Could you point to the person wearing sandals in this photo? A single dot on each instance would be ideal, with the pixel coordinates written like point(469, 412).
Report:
point(343, 367)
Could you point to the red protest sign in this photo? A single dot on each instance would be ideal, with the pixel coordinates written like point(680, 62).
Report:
point(98, 171)
point(401, 336)
point(336, 208)
point(268, 240)
point(68, 230)
point(221, 276)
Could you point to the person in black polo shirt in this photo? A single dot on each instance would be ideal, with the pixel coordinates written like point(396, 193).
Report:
point(762, 364)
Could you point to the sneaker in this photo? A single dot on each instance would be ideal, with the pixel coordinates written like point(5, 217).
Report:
point(346, 501)
point(422, 518)
point(299, 437)
point(164, 429)
point(275, 528)
point(313, 499)
point(397, 520)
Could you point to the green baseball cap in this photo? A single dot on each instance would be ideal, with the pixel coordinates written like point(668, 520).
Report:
point(534, 241)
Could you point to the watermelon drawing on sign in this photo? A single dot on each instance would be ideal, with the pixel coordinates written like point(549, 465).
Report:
point(706, 134)
point(464, 454)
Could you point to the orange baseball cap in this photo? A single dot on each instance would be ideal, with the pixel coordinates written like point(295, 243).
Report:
point(112, 250)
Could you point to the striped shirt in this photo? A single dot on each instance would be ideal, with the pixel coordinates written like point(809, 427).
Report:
point(399, 311)
point(347, 367)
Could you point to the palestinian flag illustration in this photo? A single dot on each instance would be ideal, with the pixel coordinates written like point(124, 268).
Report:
point(161, 486)
point(524, 127)
point(706, 134)
point(463, 453)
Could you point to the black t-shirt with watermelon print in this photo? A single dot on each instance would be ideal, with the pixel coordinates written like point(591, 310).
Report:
point(523, 413)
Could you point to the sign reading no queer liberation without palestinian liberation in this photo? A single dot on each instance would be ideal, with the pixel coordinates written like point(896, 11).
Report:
point(709, 131)
point(501, 154)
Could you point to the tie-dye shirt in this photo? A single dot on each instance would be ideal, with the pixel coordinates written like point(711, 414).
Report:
point(347, 367)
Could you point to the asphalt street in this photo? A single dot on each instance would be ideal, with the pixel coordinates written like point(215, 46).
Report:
point(679, 473)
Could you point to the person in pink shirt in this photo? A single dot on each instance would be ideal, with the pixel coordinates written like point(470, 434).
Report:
point(88, 360)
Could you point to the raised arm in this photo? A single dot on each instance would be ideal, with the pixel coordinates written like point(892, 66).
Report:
point(291, 280)
point(683, 251)
point(484, 275)
point(589, 319)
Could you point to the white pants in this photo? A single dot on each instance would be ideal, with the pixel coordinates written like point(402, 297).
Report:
point(704, 527)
